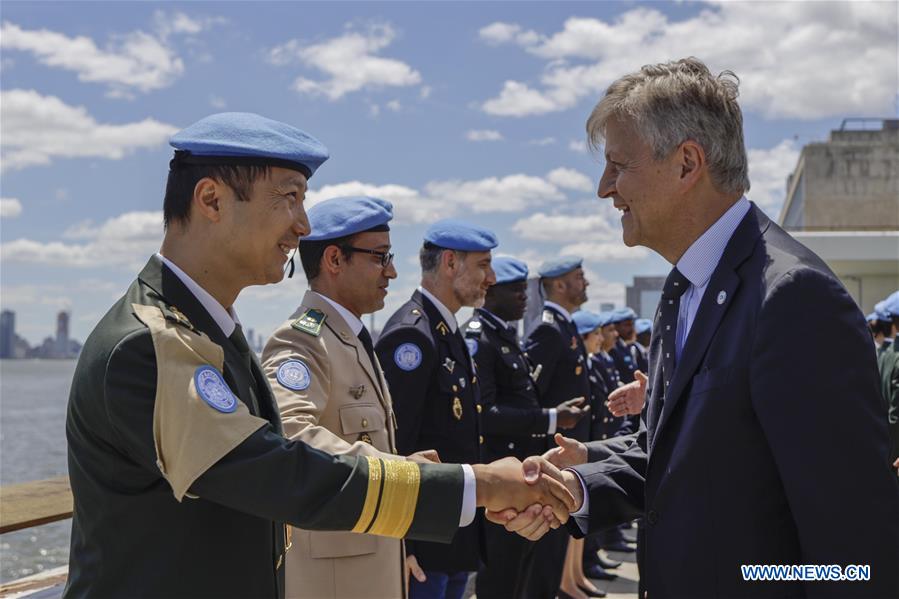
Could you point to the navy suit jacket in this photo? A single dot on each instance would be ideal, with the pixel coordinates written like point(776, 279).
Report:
point(760, 454)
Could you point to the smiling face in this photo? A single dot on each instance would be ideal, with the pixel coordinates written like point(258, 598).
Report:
point(362, 281)
point(641, 187)
point(609, 337)
point(473, 278)
point(258, 235)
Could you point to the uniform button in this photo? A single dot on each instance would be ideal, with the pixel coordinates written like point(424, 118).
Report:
point(474, 380)
point(652, 517)
point(365, 423)
point(605, 419)
point(455, 388)
point(604, 436)
point(481, 439)
point(479, 408)
point(511, 446)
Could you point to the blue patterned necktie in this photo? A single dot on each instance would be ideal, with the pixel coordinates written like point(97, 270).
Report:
point(675, 286)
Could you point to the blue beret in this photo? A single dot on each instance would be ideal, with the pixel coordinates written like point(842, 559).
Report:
point(559, 266)
point(340, 217)
point(642, 325)
point(246, 138)
point(890, 305)
point(586, 321)
point(605, 318)
point(509, 270)
point(458, 235)
point(622, 314)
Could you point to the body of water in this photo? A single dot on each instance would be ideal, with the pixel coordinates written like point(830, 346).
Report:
point(33, 396)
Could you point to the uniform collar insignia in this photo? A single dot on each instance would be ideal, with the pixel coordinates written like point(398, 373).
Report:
point(442, 328)
point(310, 322)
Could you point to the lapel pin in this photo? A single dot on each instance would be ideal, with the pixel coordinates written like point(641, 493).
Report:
point(449, 364)
point(722, 295)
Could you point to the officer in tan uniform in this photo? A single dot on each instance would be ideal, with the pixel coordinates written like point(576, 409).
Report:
point(331, 392)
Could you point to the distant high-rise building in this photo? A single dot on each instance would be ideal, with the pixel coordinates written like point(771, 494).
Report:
point(606, 306)
point(7, 333)
point(62, 333)
point(644, 295)
point(842, 201)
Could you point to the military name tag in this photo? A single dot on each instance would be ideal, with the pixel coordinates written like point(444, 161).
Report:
point(457, 408)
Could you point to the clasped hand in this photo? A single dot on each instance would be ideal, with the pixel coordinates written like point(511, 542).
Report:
point(537, 519)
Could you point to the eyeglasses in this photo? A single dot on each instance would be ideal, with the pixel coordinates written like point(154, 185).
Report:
point(386, 258)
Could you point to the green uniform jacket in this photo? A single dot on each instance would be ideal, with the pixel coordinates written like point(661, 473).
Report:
point(134, 534)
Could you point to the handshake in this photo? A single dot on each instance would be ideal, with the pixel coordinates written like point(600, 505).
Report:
point(534, 496)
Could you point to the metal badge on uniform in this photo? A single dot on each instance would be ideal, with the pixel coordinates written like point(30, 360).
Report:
point(474, 325)
point(441, 326)
point(461, 381)
point(449, 364)
point(457, 408)
point(722, 296)
point(407, 356)
point(505, 349)
point(548, 317)
point(472, 346)
point(578, 370)
point(294, 375)
point(365, 438)
point(357, 391)
point(212, 389)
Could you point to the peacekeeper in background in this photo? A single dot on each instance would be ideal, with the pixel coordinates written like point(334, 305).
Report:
point(181, 477)
point(435, 386)
point(623, 319)
point(560, 373)
point(331, 391)
point(640, 346)
point(512, 421)
point(888, 363)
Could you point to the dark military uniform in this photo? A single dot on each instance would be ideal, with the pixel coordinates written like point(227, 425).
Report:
point(604, 379)
point(624, 361)
point(435, 397)
point(640, 356)
point(888, 362)
point(149, 523)
point(560, 371)
point(513, 424)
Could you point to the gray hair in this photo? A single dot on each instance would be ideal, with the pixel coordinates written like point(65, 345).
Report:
point(677, 101)
point(429, 256)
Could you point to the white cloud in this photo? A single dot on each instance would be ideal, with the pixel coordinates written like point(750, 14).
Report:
point(217, 102)
point(425, 92)
point(38, 128)
point(768, 171)
point(578, 145)
point(125, 240)
point(137, 60)
point(807, 49)
point(350, 61)
point(501, 33)
point(394, 106)
point(495, 194)
point(483, 135)
point(559, 228)
point(409, 205)
point(605, 251)
point(568, 178)
point(10, 207)
point(544, 141)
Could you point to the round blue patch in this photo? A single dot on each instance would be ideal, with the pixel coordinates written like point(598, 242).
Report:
point(212, 389)
point(294, 375)
point(407, 356)
point(472, 346)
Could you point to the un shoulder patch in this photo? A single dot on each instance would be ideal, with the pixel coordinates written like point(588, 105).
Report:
point(407, 356)
point(310, 322)
point(548, 317)
point(294, 375)
point(472, 346)
point(212, 389)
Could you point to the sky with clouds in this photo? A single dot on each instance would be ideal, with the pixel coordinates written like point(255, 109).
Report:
point(470, 110)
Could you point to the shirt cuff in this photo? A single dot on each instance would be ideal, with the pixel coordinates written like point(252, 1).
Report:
point(469, 497)
point(553, 414)
point(584, 510)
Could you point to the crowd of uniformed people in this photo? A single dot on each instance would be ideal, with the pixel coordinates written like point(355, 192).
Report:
point(183, 446)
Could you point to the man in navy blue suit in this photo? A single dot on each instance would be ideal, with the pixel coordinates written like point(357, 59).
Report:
point(749, 452)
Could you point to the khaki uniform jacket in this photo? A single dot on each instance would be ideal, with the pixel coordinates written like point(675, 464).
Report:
point(344, 410)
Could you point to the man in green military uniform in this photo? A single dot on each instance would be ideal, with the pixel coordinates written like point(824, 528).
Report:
point(182, 480)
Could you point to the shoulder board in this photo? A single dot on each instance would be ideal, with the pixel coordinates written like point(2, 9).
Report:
point(412, 316)
point(548, 317)
point(310, 322)
point(173, 314)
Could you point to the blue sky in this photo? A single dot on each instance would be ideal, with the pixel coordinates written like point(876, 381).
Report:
point(472, 110)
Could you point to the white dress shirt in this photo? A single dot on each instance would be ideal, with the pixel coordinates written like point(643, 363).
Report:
point(697, 264)
point(225, 318)
point(351, 319)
